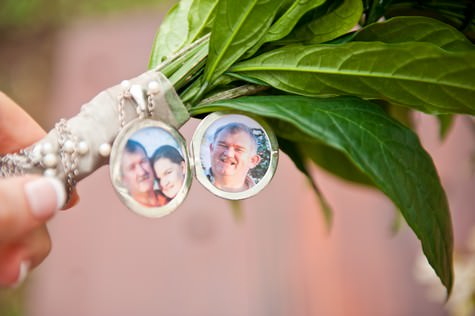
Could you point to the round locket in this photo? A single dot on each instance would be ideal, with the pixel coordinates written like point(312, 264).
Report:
point(234, 155)
point(149, 167)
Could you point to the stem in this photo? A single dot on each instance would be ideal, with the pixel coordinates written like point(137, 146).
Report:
point(186, 65)
point(187, 70)
point(248, 89)
point(188, 94)
point(171, 64)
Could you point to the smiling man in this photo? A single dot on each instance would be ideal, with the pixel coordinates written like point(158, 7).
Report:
point(137, 174)
point(233, 153)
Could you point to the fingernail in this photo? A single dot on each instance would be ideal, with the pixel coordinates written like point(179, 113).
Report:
point(45, 195)
point(24, 268)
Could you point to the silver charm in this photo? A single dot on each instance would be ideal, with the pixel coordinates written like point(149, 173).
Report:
point(149, 164)
point(149, 167)
point(235, 155)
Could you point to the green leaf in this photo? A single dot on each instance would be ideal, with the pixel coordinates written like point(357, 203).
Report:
point(375, 10)
point(284, 25)
point(457, 13)
point(445, 123)
point(200, 18)
point(327, 26)
point(328, 158)
point(417, 75)
point(237, 27)
point(237, 210)
point(402, 114)
point(336, 162)
point(296, 155)
point(389, 153)
point(172, 33)
point(397, 223)
point(415, 29)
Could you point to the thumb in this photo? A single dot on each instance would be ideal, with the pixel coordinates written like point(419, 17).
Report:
point(26, 203)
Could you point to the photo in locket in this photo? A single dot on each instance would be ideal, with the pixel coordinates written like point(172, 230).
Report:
point(151, 172)
point(235, 153)
point(152, 167)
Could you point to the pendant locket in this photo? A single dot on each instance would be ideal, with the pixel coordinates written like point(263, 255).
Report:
point(235, 155)
point(149, 167)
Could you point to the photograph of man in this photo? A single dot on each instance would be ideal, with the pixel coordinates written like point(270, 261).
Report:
point(137, 175)
point(233, 152)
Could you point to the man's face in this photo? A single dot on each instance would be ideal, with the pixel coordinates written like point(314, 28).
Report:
point(137, 173)
point(233, 154)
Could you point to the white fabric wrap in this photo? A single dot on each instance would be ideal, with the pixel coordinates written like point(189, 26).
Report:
point(98, 121)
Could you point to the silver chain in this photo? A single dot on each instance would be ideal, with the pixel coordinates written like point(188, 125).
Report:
point(127, 95)
point(15, 164)
point(68, 154)
point(124, 95)
point(150, 104)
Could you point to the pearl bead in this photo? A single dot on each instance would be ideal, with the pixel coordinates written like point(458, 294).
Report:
point(83, 148)
point(68, 146)
point(36, 153)
point(50, 172)
point(153, 87)
point(105, 149)
point(125, 84)
point(47, 148)
point(50, 160)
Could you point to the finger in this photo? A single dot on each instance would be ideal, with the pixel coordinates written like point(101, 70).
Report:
point(12, 116)
point(23, 255)
point(26, 203)
point(36, 246)
point(12, 269)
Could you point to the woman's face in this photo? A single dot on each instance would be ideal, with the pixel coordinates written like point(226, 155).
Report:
point(170, 176)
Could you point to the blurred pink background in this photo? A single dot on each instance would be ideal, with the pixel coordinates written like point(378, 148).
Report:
point(278, 259)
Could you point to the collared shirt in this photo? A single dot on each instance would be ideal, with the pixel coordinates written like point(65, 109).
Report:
point(248, 181)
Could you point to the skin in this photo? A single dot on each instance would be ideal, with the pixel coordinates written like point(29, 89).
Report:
point(170, 176)
point(23, 237)
point(137, 176)
point(232, 156)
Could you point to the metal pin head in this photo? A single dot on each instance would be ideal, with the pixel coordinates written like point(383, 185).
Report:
point(140, 97)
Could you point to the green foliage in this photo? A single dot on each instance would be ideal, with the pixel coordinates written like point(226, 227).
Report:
point(297, 154)
point(428, 82)
point(200, 18)
point(173, 33)
point(286, 22)
point(238, 26)
point(321, 154)
point(458, 13)
point(386, 151)
point(415, 29)
point(445, 123)
point(328, 22)
point(184, 23)
point(316, 76)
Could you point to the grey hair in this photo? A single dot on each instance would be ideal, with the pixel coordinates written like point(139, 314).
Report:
point(234, 128)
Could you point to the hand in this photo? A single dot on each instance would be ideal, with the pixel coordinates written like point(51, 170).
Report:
point(26, 202)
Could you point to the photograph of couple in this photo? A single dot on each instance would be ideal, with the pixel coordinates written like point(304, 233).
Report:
point(152, 168)
point(235, 153)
